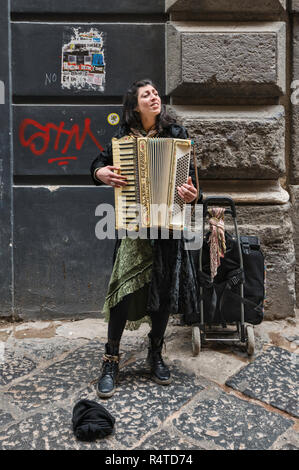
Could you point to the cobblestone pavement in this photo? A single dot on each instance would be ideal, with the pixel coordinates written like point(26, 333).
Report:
point(220, 399)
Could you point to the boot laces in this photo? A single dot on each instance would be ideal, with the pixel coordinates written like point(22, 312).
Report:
point(110, 364)
point(110, 358)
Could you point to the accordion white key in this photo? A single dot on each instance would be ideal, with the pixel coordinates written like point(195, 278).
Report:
point(154, 167)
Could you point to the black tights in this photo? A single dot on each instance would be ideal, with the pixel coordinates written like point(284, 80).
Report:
point(118, 318)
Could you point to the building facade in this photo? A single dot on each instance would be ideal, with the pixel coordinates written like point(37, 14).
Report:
point(227, 70)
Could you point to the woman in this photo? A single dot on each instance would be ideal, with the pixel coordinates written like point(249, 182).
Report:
point(149, 277)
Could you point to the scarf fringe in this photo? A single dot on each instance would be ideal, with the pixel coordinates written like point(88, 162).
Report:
point(217, 238)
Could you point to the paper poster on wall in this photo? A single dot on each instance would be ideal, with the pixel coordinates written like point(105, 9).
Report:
point(83, 60)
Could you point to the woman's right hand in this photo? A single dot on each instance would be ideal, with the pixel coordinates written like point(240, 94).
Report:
point(108, 176)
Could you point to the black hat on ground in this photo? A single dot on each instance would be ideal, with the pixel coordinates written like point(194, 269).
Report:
point(91, 420)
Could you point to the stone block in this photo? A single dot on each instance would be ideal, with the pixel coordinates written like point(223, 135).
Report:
point(246, 191)
point(294, 190)
point(295, 5)
point(294, 164)
point(296, 47)
point(236, 142)
point(224, 59)
point(227, 6)
point(273, 225)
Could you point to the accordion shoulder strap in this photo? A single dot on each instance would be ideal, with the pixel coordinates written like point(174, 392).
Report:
point(196, 178)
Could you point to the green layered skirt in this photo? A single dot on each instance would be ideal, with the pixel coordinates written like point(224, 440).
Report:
point(131, 274)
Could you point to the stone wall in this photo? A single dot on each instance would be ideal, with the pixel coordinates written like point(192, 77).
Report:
point(294, 164)
point(228, 75)
point(229, 71)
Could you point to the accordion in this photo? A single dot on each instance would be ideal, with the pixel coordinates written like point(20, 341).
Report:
point(154, 167)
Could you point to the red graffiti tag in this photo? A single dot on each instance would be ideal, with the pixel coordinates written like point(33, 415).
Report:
point(43, 133)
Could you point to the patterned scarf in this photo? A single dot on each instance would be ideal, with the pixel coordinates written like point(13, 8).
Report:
point(217, 238)
point(152, 132)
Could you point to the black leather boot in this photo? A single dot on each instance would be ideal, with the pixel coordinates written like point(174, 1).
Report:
point(110, 368)
point(159, 370)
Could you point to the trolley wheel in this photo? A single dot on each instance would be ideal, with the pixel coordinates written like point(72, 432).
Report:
point(195, 340)
point(250, 340)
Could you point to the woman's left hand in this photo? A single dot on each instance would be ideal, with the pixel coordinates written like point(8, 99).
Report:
point(187, 191)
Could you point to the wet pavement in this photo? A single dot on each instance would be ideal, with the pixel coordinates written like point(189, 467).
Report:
point(220, 399)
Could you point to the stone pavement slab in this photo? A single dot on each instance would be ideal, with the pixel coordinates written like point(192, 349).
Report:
point(273, 378)
point(140, 406)
point(80, 366)
point(289, 440)
point(210, 363)
point(231, 422)
point(5, 418)
point(57, 381)
point(41, 349)
point(163, 440)
point(13, 367)
point(44, 431)
point(43, 376)
point(39, 391)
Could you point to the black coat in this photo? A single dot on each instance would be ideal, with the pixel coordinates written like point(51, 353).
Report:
point(174, 282)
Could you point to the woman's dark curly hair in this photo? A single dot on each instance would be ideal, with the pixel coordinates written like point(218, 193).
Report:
point(131, 118)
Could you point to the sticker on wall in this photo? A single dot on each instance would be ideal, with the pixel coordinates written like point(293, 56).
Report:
point(113, 119)
point(83, 60)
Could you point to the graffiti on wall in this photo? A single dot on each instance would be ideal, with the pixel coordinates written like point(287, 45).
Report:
point(83, 60)
point(37, 138)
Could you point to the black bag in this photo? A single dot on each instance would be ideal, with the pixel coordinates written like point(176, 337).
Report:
point(221, 298)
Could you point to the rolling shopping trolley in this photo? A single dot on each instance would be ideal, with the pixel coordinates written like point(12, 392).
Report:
point(232, 302)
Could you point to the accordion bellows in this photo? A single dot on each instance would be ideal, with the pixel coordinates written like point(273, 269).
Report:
point(154, 167)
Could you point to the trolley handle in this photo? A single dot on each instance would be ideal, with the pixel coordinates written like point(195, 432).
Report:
point(212, 200)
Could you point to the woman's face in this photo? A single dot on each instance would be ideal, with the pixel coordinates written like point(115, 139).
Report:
point(148, 101)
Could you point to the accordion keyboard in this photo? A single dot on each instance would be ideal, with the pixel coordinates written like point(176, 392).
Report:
point(126, 197)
